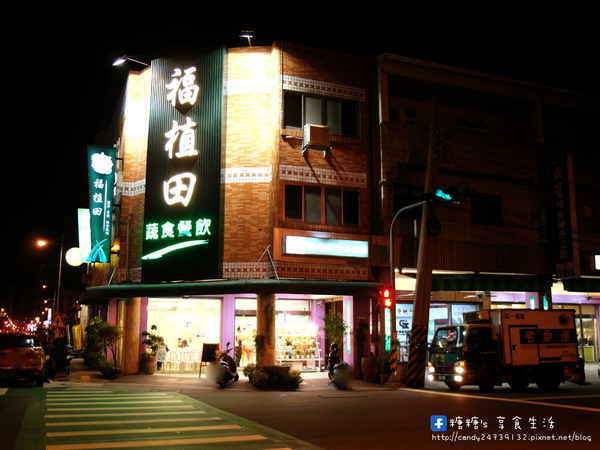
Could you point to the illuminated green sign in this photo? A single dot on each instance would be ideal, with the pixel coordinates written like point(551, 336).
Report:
point(101, 175)
point(183, 196)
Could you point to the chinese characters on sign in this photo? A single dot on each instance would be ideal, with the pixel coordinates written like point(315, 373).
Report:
point(101, 174)
point(547, 336)
point(182, 201)
point(180, 143)
point(181, 140)
point(562, 219)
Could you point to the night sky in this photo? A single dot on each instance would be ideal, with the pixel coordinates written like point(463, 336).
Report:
point(63, 91)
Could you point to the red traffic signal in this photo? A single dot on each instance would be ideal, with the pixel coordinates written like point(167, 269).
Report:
point(386, 296)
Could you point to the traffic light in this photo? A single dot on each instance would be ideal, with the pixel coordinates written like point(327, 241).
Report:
point(447, 194)
point(386, 298)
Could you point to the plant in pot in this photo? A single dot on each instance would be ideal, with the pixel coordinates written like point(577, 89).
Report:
point(152, 342)
point(385, 369)
point(101, 349)
point(334, 326)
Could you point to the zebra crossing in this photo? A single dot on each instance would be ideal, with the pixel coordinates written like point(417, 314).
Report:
point(87, 419)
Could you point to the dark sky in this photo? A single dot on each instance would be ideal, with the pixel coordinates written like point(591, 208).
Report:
point(62, 89)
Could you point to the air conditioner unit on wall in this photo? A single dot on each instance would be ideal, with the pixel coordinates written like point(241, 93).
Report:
point(316, 137)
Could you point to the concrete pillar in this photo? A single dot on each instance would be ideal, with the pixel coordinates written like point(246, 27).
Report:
point(265, 330)
point(131, 336)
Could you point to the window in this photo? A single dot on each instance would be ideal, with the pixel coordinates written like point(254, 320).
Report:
point(486, 209)
point(340, 116)
point(319, 205)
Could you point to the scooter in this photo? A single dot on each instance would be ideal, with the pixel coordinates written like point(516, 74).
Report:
point(227, 368)
point(338, 370)
point(341, 375)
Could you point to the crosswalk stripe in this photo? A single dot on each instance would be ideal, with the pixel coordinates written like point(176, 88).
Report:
point(158, 443)
point(142, 430)
point(108, 422)
point(118, 397)
point(124, 414)
point(112, 408)
point(107, 402)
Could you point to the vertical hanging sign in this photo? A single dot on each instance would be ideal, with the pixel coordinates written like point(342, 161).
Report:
point(101, 175)
point(182, 205)
point(565, 264)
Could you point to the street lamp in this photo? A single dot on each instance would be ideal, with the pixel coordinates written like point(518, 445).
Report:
point(59, 240)
point(124, 58)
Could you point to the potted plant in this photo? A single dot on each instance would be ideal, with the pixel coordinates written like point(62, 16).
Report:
point(101, 350)
point(334, 326)
point(152, 342)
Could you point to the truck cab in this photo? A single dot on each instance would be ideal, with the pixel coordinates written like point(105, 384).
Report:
point(462, 354)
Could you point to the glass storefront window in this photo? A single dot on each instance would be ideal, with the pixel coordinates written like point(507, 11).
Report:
point(195, 321)
point(245, 331)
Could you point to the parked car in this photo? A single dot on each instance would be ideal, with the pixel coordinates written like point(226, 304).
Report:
point(22, 358)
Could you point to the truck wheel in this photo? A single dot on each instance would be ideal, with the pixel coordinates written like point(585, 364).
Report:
point(453, 386)
point(487, 380)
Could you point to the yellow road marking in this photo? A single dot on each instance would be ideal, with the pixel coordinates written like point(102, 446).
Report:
point(510, 400)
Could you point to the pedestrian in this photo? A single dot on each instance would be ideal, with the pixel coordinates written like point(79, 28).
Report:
point(333, 359)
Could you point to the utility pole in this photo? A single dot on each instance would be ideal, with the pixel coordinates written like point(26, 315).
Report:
point(415, 374)
point(395, 378)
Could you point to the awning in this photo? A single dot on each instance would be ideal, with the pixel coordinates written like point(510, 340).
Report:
point(100, 294)
point(581, 284)
point(485, 282)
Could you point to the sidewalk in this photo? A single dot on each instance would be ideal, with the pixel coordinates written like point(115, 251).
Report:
point(81, 374)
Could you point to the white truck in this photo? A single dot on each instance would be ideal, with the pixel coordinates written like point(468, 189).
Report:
point(516, 346)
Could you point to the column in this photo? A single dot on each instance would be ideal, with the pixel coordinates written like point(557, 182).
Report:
point(265, 330)
point(131, 336)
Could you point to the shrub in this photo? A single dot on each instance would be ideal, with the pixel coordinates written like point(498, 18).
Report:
point(273, 377)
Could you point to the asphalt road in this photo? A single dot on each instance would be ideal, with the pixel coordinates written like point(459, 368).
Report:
point(315, 416)
point(402, 418)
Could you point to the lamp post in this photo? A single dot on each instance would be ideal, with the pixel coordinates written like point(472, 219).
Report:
point(59, 240)
point(124, 58)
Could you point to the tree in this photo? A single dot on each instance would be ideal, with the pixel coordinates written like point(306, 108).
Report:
point(334, 326)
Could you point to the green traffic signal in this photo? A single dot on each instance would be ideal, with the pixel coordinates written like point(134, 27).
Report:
point(447, 194)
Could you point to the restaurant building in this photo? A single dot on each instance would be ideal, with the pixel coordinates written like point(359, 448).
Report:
point(256, 189)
